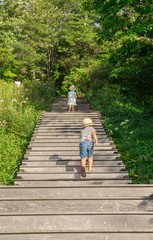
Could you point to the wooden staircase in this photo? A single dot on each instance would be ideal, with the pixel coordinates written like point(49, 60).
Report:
point(51, 201)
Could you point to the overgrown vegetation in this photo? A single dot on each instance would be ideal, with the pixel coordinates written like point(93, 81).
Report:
point(131, 127)
point(20, 108)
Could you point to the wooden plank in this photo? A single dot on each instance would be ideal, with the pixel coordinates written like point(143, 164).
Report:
point(66, 144)
point(80, 236)
point(61, 169)
point(64, 176)
point(77, 223)
point(42, 207)
point(67, 124)
point(75, 182)
point(68, 153)
point(65, 132)
point(70, 192)
point(42, 162)
point(65, 127)
point(67, 148)
point(69, 158)
point(64, 135)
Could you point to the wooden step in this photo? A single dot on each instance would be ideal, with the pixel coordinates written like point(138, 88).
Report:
point(71, 176)
point(69, 182)
point(68, 135)
point(67, 144)
point(59, 157)
point(80, 236)
point(66, 163)
point(66, 148)
point(68, 124)
point(65, 140)
point(68, 153)
point(111, 192)
point(77, 223)
point(74, 168)
point(73, 206)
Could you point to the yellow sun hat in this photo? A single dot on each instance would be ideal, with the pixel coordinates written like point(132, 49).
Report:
point(87, 122)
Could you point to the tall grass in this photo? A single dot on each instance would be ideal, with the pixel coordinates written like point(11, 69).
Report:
point(20, 109)
point(131, 127)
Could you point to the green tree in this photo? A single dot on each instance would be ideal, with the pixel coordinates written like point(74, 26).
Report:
point(128, 26)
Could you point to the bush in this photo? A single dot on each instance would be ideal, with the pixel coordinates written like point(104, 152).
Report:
point(20, 109)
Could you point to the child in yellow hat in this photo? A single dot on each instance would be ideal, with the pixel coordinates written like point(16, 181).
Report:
point(86, 145)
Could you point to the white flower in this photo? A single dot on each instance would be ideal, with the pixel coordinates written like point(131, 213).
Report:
point(122, 123)
point(18, 83)
point(131, 132)
point(24, 101)
point(116, 128)
point(1, 100)
point(126, 120)
point(14, 100)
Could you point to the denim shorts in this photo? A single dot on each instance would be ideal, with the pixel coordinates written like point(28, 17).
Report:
point(86, 149)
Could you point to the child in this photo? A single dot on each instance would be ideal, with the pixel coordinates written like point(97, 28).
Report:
point(86, 145)
point(72, 96)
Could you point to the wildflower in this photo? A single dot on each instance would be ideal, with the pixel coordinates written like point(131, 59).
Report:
point(116, 128)
point(126, 120)
point(131, 132)
point(17, 83)
point(26, 90)
point(4, 122)
point(122, 123)
point(24, 101)
point(1, 124)
point(14, 100)
point(1, 101)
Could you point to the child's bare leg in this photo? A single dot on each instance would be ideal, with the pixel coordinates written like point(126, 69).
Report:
point(90, 162)
point(72, 108)
point(83, 162)
point(83, 165)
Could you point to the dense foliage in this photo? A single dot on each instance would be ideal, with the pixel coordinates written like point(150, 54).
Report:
point(128, 26)
point(20, 108)
point(43, 39)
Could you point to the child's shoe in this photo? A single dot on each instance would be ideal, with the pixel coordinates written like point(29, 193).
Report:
point(83, 172)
